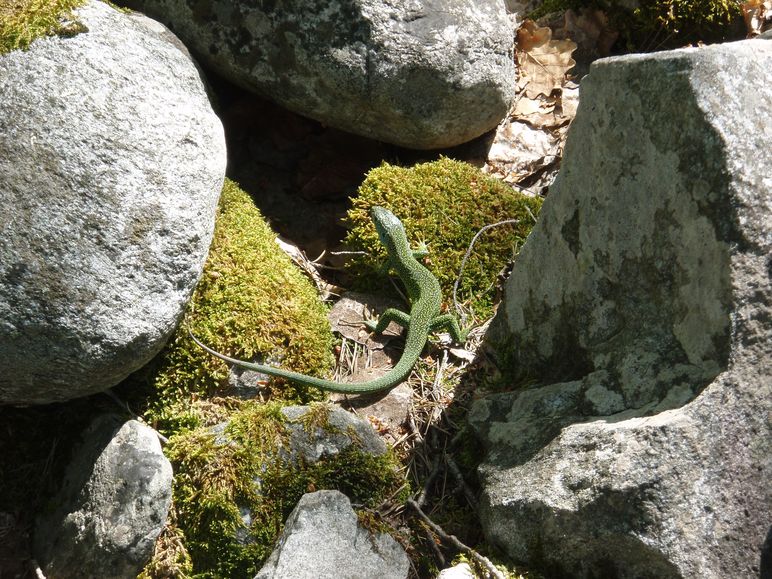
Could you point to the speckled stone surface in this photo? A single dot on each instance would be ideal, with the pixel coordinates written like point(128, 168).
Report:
point(111, 164)
point(642, 306)
point(422, 74)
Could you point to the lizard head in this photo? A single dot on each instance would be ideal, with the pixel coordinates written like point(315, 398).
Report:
point(387, 225)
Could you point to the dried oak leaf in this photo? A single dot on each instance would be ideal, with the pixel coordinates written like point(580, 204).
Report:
point(757, 15)
point(538, 112)
point(543, 62)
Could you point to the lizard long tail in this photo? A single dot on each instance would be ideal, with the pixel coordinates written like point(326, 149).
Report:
point(397, 374)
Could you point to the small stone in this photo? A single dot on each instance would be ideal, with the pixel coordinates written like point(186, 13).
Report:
point(460, 571)
point(111, 508)
point(323, 539)
point(340, 430)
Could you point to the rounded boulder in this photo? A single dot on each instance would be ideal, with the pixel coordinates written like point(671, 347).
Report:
point(111, 164)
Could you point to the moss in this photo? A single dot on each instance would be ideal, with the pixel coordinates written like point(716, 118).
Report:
point(22, 21)
point(689, 20)
point(502, 566)
point(221, 477)
point(317, 417)
point(373, 522)
point(659, 24)
point(251, 302)
point(444, 204)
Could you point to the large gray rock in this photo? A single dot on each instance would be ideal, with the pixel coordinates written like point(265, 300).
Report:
point(112, 505)
point(421, 74)
point(323, 539)
point(643, 302)
point(111, 163)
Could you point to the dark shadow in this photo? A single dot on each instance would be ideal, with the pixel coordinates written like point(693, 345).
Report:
point(765, 564)
point(36, 445)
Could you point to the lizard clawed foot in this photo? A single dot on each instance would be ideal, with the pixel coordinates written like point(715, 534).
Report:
point(370, 324)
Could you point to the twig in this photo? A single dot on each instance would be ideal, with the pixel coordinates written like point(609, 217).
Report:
point(421, 500)
point(437, 553)
point(342, 253)
point(462, 315)
point(453, 540)
point(411, 426)
point(456, 472)
point(38, 571)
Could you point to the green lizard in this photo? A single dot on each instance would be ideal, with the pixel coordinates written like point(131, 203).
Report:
point(423, 289)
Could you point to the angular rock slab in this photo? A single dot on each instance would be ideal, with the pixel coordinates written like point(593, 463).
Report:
point(111, 164)
point(420, 74)
point(643, 300)
point(112, 505)
point(323, 539)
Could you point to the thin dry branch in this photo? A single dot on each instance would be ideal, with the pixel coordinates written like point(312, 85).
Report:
point(453, 540)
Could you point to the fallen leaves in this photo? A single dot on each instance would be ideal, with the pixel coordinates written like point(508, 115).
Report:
point(757, 15)
point(542, 61)
point(529, 144)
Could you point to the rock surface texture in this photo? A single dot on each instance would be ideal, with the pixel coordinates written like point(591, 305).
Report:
point(643, 301)
point(341, 430)
point(323, 539)
point(111, 508)
point(422, 74)
point(111, 164)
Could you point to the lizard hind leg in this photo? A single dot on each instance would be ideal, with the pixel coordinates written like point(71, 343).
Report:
point(389, 315)
point(450, 323)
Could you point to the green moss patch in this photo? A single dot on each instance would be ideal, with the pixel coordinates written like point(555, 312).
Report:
point(689, 20)
point(661, 24)
point(444, 204)
point(251, 302)
point(221, 477)
point(22, 21)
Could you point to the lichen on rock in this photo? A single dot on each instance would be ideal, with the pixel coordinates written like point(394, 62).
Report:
point(642, 304)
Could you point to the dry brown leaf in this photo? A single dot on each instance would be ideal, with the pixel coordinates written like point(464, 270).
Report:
point(550, 112)
point(543, 62)
point(569, 101)
point(519, 150)
point(757, 15)
point(538, 112)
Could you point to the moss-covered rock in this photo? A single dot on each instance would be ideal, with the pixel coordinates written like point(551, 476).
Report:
point(235, 486)
point(251, 302)
point(444, 204)
point(22, 21)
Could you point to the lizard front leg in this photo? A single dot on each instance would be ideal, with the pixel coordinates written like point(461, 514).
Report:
point(449, 322)
point(389, 315)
